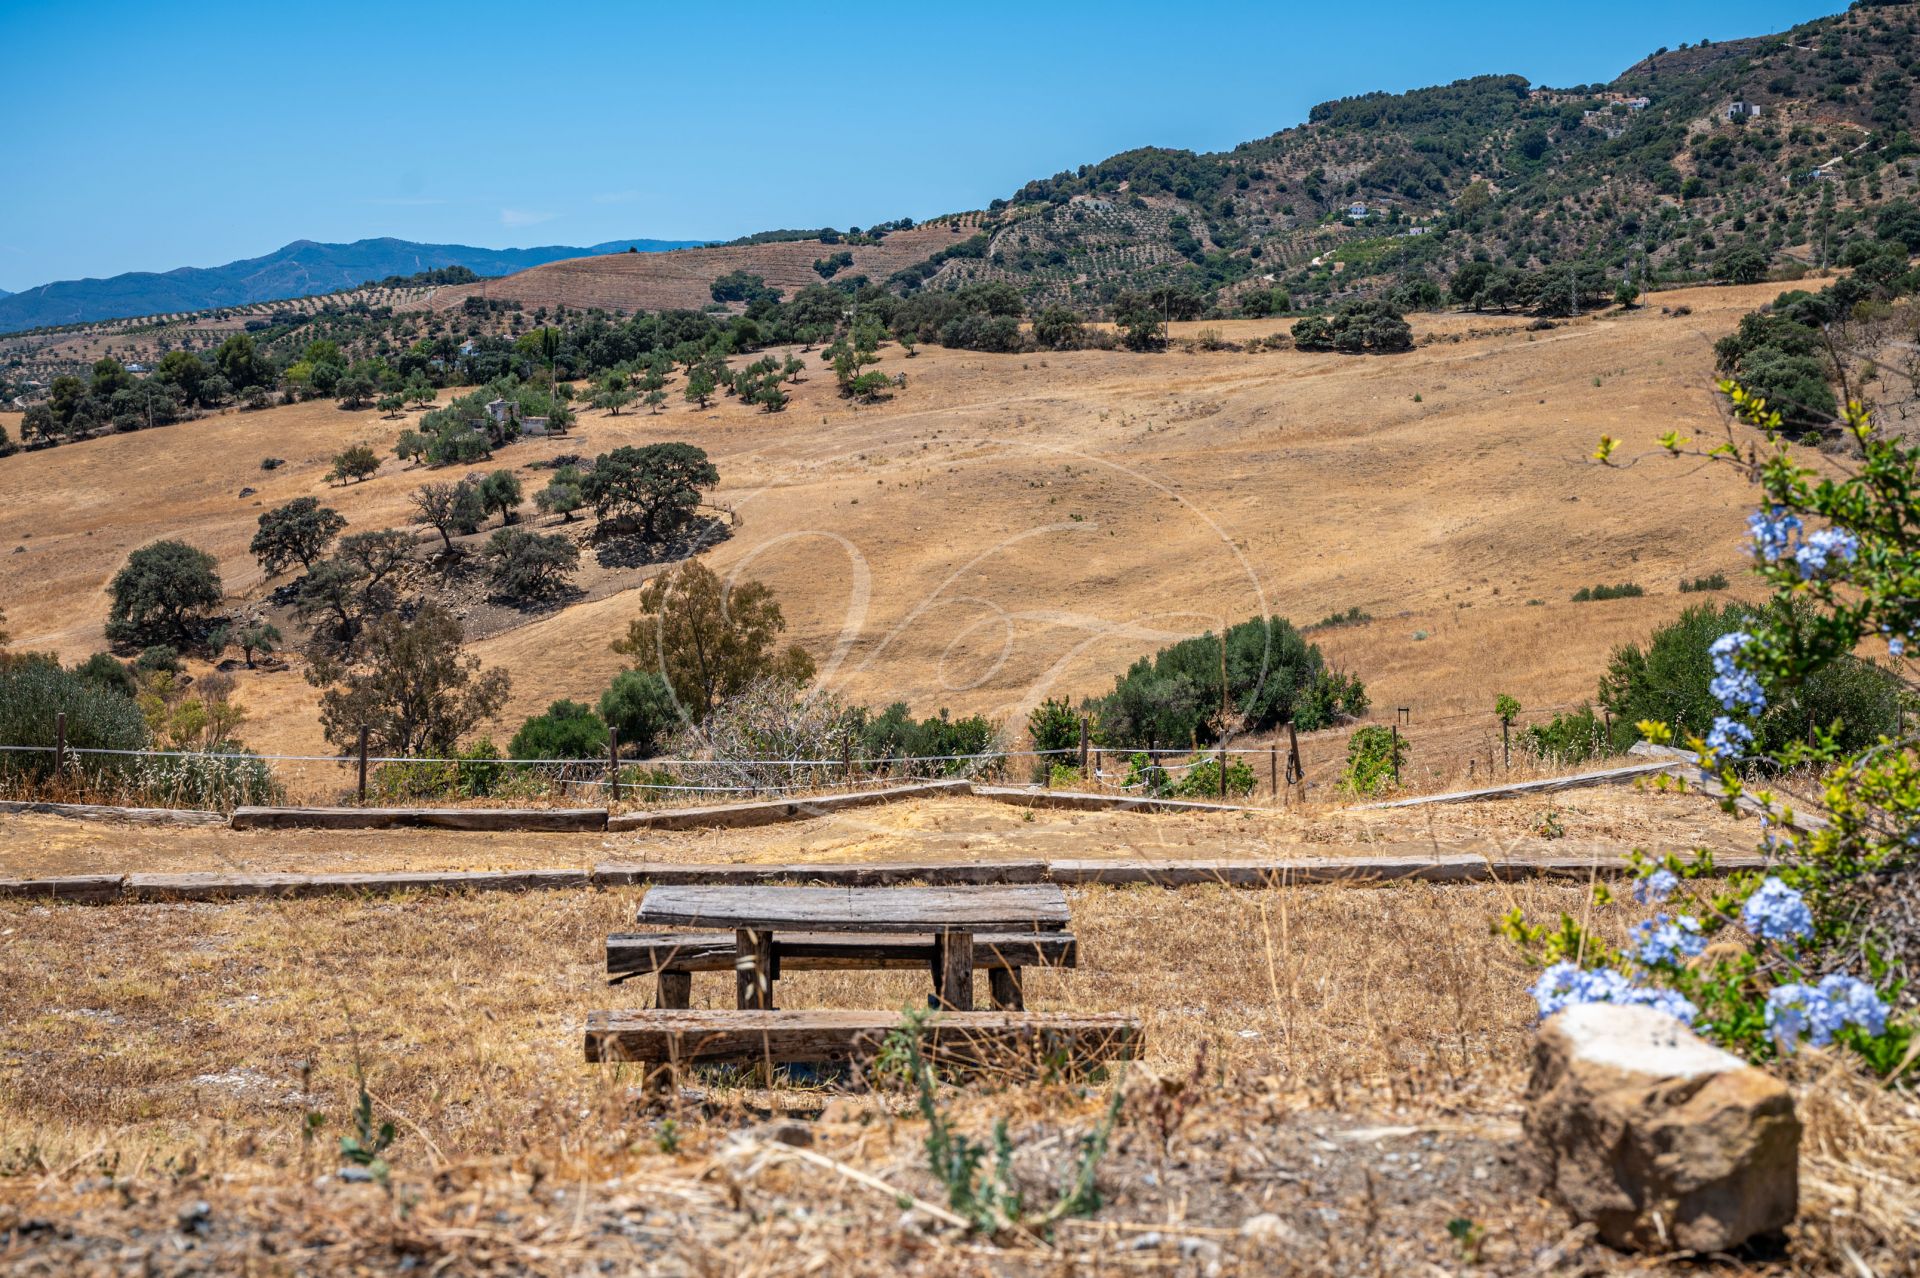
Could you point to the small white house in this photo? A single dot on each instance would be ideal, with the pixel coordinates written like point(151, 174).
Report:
point(533, 426)
point(468, 347)
point(501, 412)
point(1745, 111)
point(1356, 212)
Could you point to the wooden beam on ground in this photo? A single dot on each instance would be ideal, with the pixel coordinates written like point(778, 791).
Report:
point(966, 1038)
point(740, 816)
point(88, 889)
point(1078, 801)
point(1526, 789)
point(104, 812)
point(644, 953)
point(1306, 871)
point(868, 874)
point(221, 887)
point(493, 820)
point(1805, 822)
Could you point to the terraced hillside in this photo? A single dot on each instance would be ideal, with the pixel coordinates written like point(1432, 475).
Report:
point(683, 278)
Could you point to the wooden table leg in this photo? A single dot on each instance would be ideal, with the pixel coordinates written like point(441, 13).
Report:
point(955, 958)
point(676, 990)
point(753, 969)
point(1005, 984)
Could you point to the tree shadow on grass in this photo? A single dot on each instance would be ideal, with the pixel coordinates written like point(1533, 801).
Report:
point(620, 549)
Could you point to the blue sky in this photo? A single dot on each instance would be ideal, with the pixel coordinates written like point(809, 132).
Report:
point(149, 136)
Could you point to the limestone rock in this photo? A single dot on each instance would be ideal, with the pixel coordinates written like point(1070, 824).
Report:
point(1663, 1141)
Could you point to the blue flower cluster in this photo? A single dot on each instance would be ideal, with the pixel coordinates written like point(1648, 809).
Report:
point(1729, 738)
point(1775, 912)
point(1773, 533)
point(1667, 939)
point(1817, 554)
point(1732, 687)
point(1818, 1012)
point(1564, 985)
point(1656, 887)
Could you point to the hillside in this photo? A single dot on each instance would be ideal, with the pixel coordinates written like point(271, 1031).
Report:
point(1018, 526)
point(683, 278)
point(300, 269)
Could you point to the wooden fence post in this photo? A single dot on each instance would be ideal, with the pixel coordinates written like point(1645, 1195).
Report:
point(1506, 745)
point(59, 743)
point(613, 766)
point(363, 763)
point(1296, 774)
point(1273, 768)
point(1396, 754)
point(1084, 734)
point(846, 758)
point(1223, 769)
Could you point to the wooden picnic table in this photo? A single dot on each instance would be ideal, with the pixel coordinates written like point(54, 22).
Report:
point(953, 915)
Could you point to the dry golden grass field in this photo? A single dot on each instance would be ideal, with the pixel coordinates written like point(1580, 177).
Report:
point(1009, 527)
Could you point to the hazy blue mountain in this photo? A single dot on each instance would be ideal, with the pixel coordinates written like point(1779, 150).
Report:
point(298, 270)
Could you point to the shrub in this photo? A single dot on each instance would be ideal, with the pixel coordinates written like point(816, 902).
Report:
point(1670, 680)
point(1569, 737)
point(1202, 778)
point(1625, 590)
point(1064, 776)
point(1355, 328)
point(33, 691)
point(1701, 585)
point(1354, 616)
point(935, 746)
point(353, 465)
point(1374, 756)
point(640, 707)
point(568, 730)
point(530, 565)
point(1053, 725)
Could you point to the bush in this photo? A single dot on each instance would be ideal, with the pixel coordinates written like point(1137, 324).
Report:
point(530, 565)
point(1701, 585)
point(1053, 725)
point(1669, 681)
point(1625, 590)
point(928, 747)
point(1202, 778)
point(568, 730)
point(1570, 737)
point(1064, 776)
point(33, 691)
point(1355, 328)
point(1374, 755)
point(640, 707)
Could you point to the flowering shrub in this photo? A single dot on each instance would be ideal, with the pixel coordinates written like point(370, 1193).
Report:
point(1820, 947)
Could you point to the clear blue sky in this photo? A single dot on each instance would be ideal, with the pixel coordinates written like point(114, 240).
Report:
point(149, 136)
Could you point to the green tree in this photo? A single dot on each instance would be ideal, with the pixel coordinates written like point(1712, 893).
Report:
point(562, 495)
point(449, 508)
point(353, 465)
point(708, 641)
point(500, 494)
point(256, 636)
point(164, 595)
point(660, 485)
point(413, 688)
point(299, 531)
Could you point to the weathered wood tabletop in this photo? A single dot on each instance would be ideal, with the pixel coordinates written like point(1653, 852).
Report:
point(951, 914)
point(1039, 907)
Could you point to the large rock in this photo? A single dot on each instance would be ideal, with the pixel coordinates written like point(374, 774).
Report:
point(1663, 1141)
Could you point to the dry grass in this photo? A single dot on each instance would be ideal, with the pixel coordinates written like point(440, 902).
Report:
point(1363, 1052)
point(1016, 526)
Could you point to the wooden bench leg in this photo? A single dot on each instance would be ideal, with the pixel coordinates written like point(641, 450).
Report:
point(954, 956)
point(676, 990)
point(753, 970)
point(1005, 983)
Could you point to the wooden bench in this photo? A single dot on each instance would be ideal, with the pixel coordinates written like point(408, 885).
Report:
point(675, 956)
point(678, 1037)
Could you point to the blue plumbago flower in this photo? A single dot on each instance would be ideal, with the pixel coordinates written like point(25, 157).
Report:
point(1854, 1002)
point(1656, 887)
point(1790, 1014)
point(1564, 985)
point(1818, 1012)
point(1816, 555)
point(1729, 737)
point(1667, 939)
point(1773, 532)
point(1732, 687)
point(1776, 912)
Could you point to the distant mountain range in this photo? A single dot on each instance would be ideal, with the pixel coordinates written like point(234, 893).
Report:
point(300, 269)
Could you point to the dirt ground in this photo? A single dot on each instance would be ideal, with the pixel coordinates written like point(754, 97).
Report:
point(1605, 822)
point(1330, 1080)
point(1011, 527)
